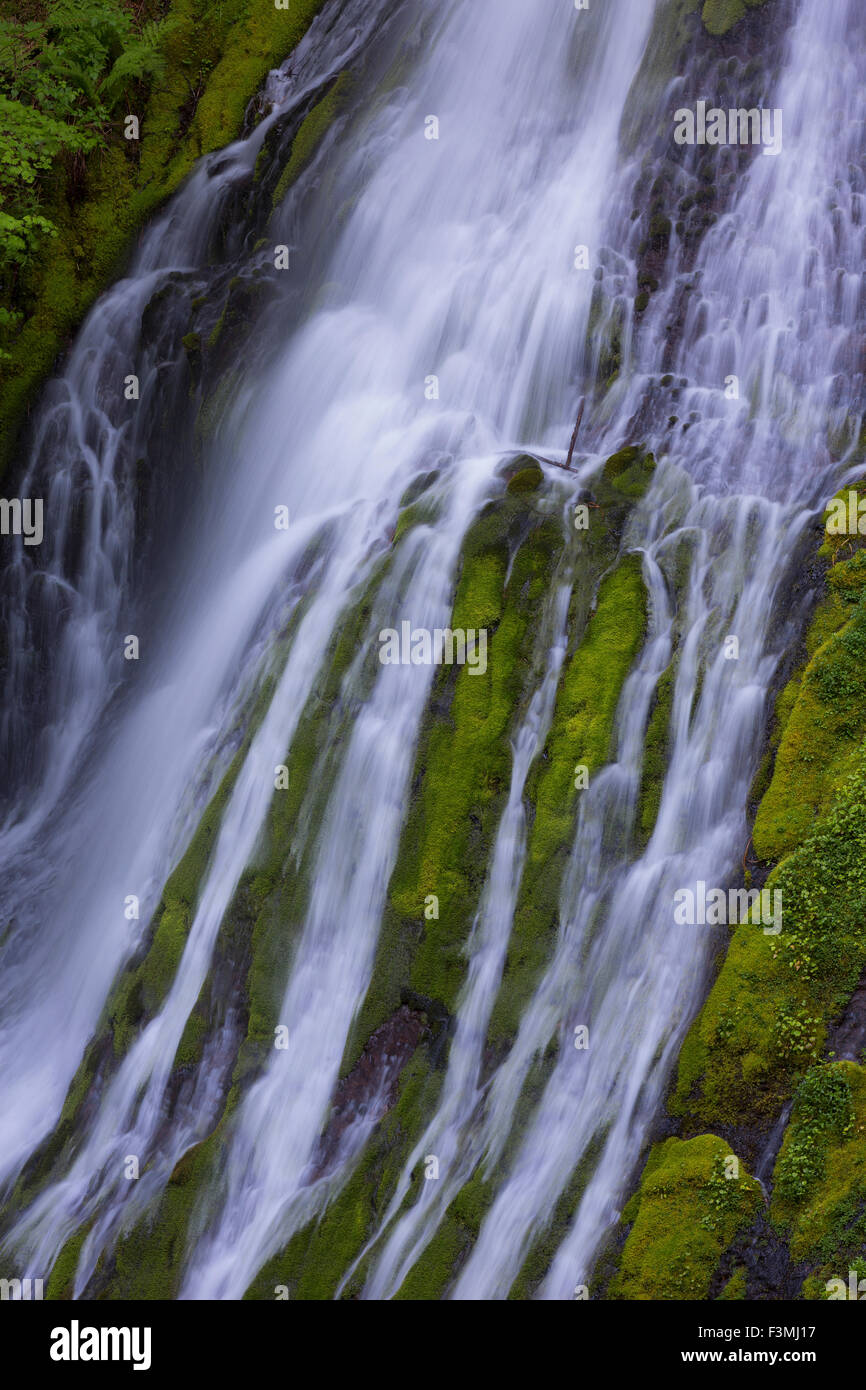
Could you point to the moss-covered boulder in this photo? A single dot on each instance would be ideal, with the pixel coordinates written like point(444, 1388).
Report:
point(693, 1199)
point(720, 16)
point(819, 1184)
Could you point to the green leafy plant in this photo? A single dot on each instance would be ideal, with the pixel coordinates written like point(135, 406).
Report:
point(62, 79)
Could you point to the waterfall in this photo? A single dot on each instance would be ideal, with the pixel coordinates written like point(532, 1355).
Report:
point(109, 808)
point(434, 322)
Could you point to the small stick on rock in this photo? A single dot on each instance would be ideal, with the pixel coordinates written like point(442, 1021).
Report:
point(574, 435)
point(567, 464)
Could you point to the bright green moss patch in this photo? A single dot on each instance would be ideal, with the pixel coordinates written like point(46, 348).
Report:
point(735, 1288)
point(819, 1194)
point(765, 1019)
point(822, 1117)
point(463, 765)
point(589, 693)
point(61, 1282)
point(143, 987)
point(470, 762)
point(824, 731)
point(720, 16)
point(580, 736)
point(630, 471)
point(433, 1273)
point(688, 1212)
point(527, 480)
point(656, 753)
point(214, 61)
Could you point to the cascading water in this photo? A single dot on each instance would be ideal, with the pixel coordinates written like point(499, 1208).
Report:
point(453, 260)
point(128, 814)
point(795, 263)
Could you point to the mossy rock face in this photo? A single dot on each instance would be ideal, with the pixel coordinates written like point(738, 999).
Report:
point(61, 1283)
point(527, 480)
point(310, 135)
point(694, 1197)
point(463, 762)
point(580, 737)
point(656, 753)
point(630, 471)
point(766, 1017)
point(819, 1184)
point(317, 1258)
point(224, 54)
point(720, 16)
point(144, 986)
point(765, 1020)
point(147, 1261)
point(823, 732)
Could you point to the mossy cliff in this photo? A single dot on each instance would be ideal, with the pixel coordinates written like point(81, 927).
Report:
point(767, 1015)
point(511, 562)
point(720, 16)
point(769, 1028)
point(819, 1193)
point(516, 555)
point(512, 559)
point(215, 59)
point(693, 1198)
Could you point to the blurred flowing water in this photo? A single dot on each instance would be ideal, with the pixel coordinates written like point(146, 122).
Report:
point(452, 257)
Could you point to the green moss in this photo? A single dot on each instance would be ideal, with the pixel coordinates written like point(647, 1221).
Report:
point(468, 765)
point(433, 1273)
point(630, 471)
point(819, 1195)
point(580, 735)
point(61, 1282)
point(582, 726)
point(147, 1262)
point(735, 1288)
point(765, 1019)
point(687, 1216)
point(191, 1046)
point(656, 753)
point(822, 1116)
point(462, 766)
point(720, 16)
point(277, 887)
point(142, 988)
point(215, 61)
point(310, 135)
point(823, 733)
point(464, 755)
point(430, 1277)
point(318, 1257)
point(527, 480)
